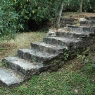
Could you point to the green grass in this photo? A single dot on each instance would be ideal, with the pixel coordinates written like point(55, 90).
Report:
point(56, 83)
point(76, 77)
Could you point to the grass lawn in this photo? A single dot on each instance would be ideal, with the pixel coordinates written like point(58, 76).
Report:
point(76, 77)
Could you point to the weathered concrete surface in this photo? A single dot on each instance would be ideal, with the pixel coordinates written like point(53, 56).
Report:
point(81, 28)
point(73, 34)
point(9, 78)
point(87, 23)
point(90, 18)
point(23, 67)
point(33, 56)
point(44, 47)
point(62, 41)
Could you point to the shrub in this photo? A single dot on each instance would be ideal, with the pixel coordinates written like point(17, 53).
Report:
point(16, 15)
point(32, 12)
point(8, 20)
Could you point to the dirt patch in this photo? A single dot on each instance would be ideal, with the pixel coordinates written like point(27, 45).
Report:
point(78, 15)
point(6, 49)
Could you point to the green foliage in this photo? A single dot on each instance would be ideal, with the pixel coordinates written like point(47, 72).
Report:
point(8, 20)
point(20, 15)
point(92, 5)
point(15, 16)
point(32, 11)
point(74, 5)
point(56, 83)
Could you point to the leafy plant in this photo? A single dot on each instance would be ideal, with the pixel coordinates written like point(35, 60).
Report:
point(8, 20)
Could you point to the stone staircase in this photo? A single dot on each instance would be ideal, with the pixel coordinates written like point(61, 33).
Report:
point(90, 21)
point(46, 55)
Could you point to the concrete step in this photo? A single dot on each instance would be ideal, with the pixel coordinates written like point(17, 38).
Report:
point(44, 47)
point(81, 28)
point(62, 41)
point(90, 18)
point(73, 34)
point(22, 66)
point(35, 56)
point(87, 23)
point(9, 78)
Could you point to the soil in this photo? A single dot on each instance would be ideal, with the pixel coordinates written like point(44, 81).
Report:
point(78, 15)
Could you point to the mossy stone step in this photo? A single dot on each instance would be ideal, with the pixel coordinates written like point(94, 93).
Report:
point(22, 67)
point(35, 56)
point(44, 47)
point(62, 41)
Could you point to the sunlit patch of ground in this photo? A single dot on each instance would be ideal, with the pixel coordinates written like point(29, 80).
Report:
point(23, 40)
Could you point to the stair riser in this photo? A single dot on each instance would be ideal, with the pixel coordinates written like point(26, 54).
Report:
point(59, 42)
point(52, 67)
point(54, 42)
point(46, 49)
point(25, 73)
point(90, 18)
point(70, 35)
point(81, 29)
point(77, 45)
point(32, 58)
point(87, 23)
point(9, 86)
point(86, 42)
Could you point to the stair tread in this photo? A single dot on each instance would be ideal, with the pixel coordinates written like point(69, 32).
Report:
point(23, 63)
point(38, 53)
point(65, 39)
point(76, 26)
point(50, 46)
point(74, 32)
point(8, 77)
point(88, 20)
point(83, 26)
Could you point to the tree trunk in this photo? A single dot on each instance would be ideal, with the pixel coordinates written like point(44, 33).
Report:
point(58, 17)
point(81, 5)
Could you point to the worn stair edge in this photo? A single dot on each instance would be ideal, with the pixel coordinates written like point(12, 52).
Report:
point(22, 67)
point(73, 34)
point(44, 47)
point(35, 56)
point(63, 41)
point(87, 23)
point(9, 78)
point(81, 28)
point(90, 18)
